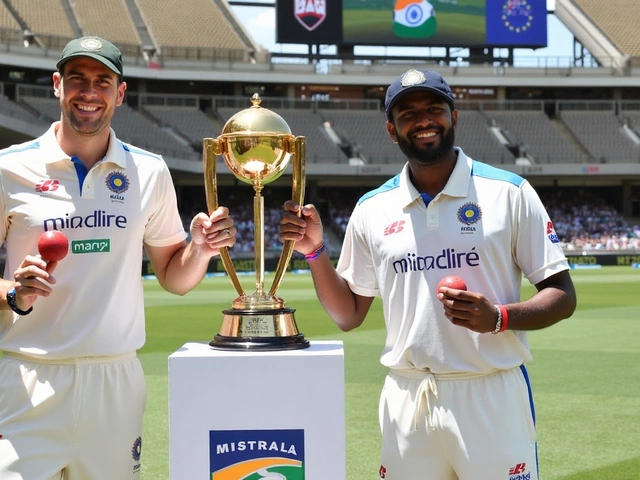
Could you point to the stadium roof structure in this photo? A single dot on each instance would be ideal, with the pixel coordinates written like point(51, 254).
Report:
point(608, 29)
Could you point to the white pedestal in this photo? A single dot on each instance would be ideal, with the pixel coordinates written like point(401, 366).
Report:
point(235, 412)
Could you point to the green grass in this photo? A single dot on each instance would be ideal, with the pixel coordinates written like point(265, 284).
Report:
point(585, 374)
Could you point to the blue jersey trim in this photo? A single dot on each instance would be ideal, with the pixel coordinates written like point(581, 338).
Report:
point(525, 374)
point(390, 184)
point(32, 145)
point(81, 171)
point(139, 151)
point(484, 170)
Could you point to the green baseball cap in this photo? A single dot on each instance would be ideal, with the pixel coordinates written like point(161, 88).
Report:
point(93, 47)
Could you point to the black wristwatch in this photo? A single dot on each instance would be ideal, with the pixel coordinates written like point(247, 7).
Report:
point(13, 305)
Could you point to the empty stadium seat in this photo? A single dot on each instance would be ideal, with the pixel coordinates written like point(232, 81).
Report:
point(535, 131)
point(602, 135)
point(306, 123)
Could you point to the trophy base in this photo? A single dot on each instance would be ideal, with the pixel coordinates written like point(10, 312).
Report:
point(259, 330)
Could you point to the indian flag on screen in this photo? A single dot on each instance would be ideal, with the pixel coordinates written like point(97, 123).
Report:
point(414, 19)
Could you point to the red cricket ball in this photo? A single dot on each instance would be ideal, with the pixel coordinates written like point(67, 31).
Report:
point(53, 246)
point(452, 282)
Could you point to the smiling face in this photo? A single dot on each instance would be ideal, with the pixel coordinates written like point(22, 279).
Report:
point(423, 125)
point(89, 93)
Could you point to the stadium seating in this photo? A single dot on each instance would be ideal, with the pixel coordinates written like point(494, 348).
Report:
point(306, 123)
point(189, 121)
point(47, 19)
point(131, 127)
point(365, 130)
point(534, 132)
point(474, 136)
point(91, 15)
point(197, 30)
point(8, 21)
point(601, 132)
point(48, 108)
point(12, 109)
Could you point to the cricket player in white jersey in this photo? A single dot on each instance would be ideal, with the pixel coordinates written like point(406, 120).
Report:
point(456, 402)
point(72, 391)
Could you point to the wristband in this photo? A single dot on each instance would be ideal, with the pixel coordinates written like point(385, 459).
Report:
point(502, 321)
point(310, 257)
point(13, 304)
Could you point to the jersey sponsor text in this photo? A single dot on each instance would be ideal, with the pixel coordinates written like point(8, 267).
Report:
point(446, 260)
point(97, 219)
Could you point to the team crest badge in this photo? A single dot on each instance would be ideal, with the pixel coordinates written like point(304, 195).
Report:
point(136, 450)
point(117, 182)
point(310, 13)
point(469, 214)
point(91, 44)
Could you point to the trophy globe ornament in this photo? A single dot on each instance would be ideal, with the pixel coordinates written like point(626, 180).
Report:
point(257, 146)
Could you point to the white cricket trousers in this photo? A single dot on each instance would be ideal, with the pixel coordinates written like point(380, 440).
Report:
point(76, 419)
point(458, 427)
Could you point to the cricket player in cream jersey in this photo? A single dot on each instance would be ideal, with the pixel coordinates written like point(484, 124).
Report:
point(72, 391)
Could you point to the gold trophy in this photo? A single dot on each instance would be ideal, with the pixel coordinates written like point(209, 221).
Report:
point(257, 146)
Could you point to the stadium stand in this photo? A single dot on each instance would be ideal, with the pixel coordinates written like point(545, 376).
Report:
point(197, 30)
point(12, 109)
point(306, 123)
point(365, 130)
point(48, 108)
point(584, 220)
point(474, 136)
point(602, 134)
point(9, 26)
point(130, 125)
point(133, 127)
point(201, 43)
point(536, 135)
point(91, 16)
point(47, 19)
point(188, 121)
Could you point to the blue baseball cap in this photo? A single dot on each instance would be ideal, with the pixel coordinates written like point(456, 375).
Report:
point(416, 81)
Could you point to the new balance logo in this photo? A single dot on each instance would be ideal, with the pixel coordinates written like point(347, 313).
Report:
point(47, 186)
point(395, 227)
point(518, 472)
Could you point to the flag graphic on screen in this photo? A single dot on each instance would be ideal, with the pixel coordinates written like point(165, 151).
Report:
point(414, 19)
point(516, 22)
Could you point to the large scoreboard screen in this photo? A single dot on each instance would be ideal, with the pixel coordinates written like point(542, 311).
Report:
point(437, 23)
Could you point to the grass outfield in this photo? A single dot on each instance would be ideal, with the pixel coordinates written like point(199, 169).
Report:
point(585, 374)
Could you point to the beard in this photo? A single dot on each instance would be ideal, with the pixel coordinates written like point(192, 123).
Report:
point(430, 154)
point(83, 126)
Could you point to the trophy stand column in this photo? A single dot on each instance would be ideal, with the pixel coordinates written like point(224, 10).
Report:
point(222, 403)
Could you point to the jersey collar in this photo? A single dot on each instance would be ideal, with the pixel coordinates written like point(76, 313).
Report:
point(457, 185)
point(49, 145)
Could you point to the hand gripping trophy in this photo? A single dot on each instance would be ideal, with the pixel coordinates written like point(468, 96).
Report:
point(257, 146)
